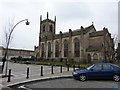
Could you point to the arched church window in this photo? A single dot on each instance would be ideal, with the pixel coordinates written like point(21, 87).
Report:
point(56, 49)
point(49, 49)
point(89, 58)
point(42, 53)
point(76, 47)
point(43, 28)
point(65, 48)
point(95, 56)
point(51, 28)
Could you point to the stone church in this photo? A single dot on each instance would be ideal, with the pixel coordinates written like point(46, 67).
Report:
point(83, 45)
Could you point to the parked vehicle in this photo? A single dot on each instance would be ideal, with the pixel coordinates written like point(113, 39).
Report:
point(98, 71)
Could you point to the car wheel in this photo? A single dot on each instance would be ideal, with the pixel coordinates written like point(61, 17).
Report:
point(83, 77)
point(116, 77)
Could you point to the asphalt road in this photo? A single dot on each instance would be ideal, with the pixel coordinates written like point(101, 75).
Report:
point(71, 83)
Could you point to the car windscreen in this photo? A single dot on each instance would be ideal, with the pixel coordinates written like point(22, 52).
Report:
point(88, 68)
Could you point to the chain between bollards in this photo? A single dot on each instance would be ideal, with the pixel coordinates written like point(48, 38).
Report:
point(9, 76)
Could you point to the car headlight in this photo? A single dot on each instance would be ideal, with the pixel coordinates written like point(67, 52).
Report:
point(74, 73)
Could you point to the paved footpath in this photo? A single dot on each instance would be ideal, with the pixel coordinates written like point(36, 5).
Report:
point(19, 73)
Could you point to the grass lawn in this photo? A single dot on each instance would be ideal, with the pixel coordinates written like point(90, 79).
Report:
point(59, 63)
point(117, 64)
point(71, 64)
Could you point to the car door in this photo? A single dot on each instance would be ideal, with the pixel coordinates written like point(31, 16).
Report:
point(107, 71)
point(95, 72)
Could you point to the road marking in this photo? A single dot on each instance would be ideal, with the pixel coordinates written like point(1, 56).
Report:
point(23, 87)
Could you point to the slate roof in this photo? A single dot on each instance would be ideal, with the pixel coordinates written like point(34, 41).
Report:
point(48, 20)
point(98, 33)
point(77, 31)
point(73, 33)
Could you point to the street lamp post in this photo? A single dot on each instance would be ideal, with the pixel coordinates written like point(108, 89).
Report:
point(6, 50)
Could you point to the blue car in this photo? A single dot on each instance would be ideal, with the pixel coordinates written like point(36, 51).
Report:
point(98, 71)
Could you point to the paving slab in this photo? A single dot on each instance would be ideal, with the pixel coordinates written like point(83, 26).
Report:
point(19, 73)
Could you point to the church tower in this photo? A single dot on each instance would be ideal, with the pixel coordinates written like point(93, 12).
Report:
point(47, 28)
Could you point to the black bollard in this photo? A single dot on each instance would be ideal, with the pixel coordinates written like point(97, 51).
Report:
point(67, 67)
point(41, 70)
point(9, 76)
point(73, 67)
point(27, 73)
point(52, 70)
point(79, 66)
point(60, 68)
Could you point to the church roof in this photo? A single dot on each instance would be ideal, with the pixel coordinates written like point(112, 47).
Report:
point(98, 33)
point(79, 31)
point(87, 29)
point(47, 20)
point(72, 33)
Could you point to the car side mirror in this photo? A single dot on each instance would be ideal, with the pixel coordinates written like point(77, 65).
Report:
point(91, 69)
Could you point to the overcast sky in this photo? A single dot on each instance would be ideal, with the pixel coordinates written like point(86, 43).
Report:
point(70, 14)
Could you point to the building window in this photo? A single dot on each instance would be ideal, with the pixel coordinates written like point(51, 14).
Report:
point(43, 28)
point(49, 49)
point(76, 47)
point(51, 28)
point(89, 58)
point(65, 48)
point(42, 53)
point(95, 56)
point(56, 49)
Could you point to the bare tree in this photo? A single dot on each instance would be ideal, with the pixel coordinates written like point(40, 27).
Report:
point(115, 40)
point(6, 31)
point(115, 45)
point(117, 51)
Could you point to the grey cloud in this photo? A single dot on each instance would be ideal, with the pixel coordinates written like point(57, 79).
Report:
point(69, 15)
point(72, 10)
